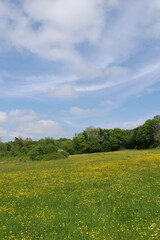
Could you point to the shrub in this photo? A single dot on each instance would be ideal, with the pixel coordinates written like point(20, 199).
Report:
point(24, 158)
point(55, 156)
point(36, 153)
point(66, 154)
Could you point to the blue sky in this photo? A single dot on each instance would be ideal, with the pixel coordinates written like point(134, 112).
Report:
point(66, 65)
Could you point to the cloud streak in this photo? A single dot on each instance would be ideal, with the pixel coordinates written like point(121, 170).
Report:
point(56, 29)
point(96, 53)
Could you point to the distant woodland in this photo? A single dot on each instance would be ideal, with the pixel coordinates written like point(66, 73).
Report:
point(91, 140)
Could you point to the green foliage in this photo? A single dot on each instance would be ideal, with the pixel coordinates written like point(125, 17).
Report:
point(55, 156)
point(46, 151)
point(65, 144)
point(91, 140)
point(79, 142)
point(24, 158)
point(36, 153)
point(66, 154)
point(147, 135)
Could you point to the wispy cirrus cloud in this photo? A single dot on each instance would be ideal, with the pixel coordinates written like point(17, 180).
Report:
point(96, 53)
point(50, 30)
point(85, 112)
point(65, 91)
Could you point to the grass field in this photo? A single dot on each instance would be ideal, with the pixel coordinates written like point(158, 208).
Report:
point(98, 196)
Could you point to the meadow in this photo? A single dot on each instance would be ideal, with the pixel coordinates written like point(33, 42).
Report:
point(103, 196)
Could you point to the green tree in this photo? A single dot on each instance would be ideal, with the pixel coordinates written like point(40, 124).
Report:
point(93, 140)
point(36, 153)
point(79, 143)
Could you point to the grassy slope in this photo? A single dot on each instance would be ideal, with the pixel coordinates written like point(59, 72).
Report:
point(98, 196)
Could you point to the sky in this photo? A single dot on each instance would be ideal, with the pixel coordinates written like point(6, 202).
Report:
point(66, 65)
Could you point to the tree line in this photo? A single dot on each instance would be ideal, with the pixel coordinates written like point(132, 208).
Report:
point(91, 140)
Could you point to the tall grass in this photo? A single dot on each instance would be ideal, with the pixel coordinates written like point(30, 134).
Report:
point(96, 196)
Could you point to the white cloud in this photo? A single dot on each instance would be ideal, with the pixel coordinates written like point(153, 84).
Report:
point(131, 124)
point(67, 92)
point(3, 117)
point(68, 87)
point(27, 123)
point(18, 116)
point(147, 70)
point(90, 41)
point(126, 124)
point(142, 81)
point(37, 85)
point(52, 28)
point(86, 112)
point(39, 129)
point(22, 116)
point(3, 133)
point(73, 21)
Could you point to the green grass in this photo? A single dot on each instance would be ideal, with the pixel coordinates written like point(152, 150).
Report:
point(96, 196)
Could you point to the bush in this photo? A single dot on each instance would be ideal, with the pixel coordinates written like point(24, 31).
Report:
point(2, 154)
point(66, 154)
point(55, 156)
point(24, 158)
point(36, 153)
